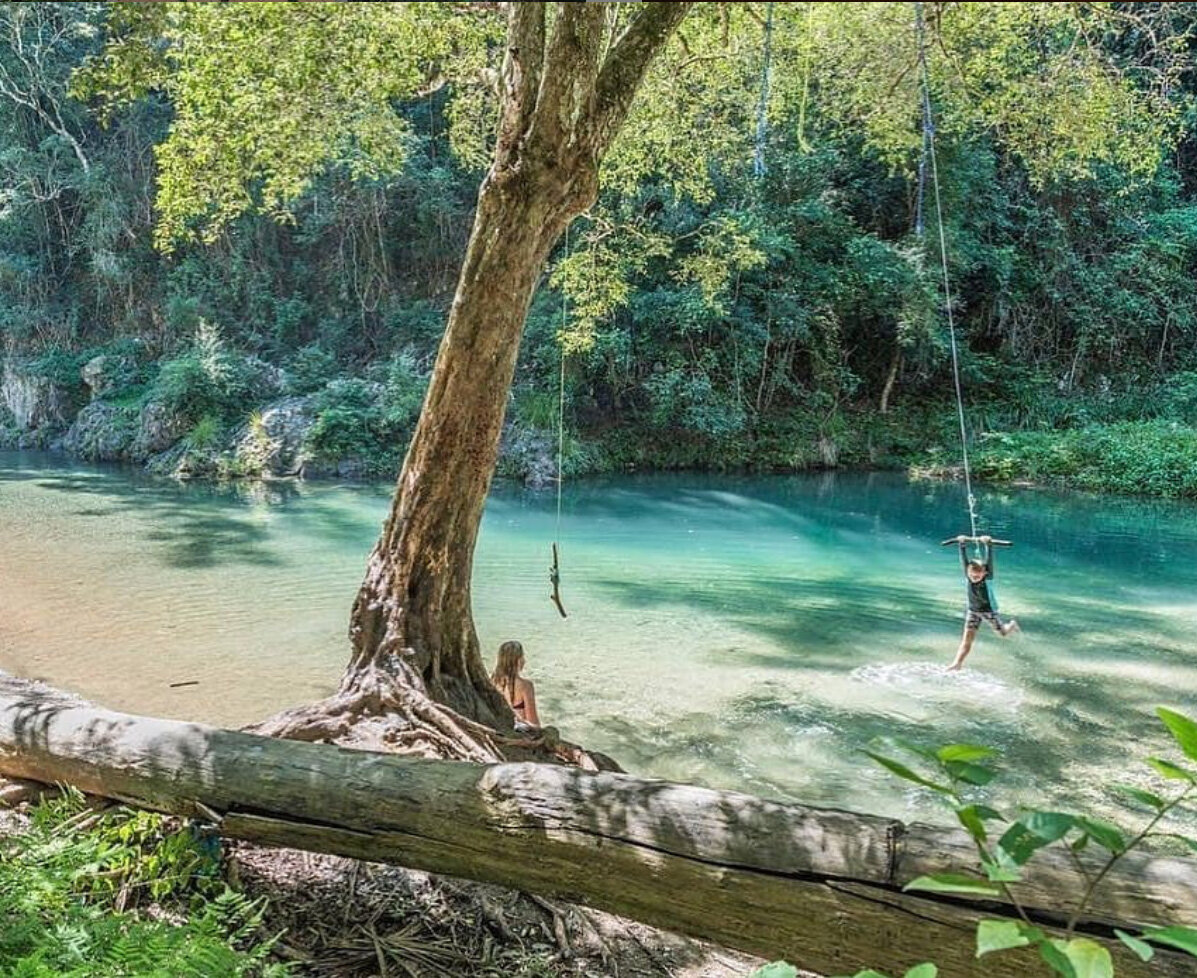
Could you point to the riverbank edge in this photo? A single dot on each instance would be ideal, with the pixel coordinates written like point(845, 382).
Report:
point(526, 460)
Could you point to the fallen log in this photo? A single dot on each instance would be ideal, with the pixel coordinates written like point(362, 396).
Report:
point(817, 886)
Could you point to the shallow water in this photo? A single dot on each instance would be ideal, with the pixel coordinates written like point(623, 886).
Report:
point(750, 633)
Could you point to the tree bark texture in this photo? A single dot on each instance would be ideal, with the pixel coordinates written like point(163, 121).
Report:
point(819, 887)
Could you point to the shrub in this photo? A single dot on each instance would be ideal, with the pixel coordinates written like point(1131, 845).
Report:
point(687, 400)
point(310, 369)
point(403, 395)
point(535, 409)
point(1005, 845)
point(1157, 458)
point(72, 887)
point(205, 434)
point(351, 423)
point(207, 379)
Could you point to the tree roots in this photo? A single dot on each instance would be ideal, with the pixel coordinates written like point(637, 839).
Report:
point(384, 706)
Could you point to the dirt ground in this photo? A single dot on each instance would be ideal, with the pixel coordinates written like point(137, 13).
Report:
point(346, 918)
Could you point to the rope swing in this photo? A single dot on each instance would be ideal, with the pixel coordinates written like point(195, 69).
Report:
point(555, 568)
point(928, 157)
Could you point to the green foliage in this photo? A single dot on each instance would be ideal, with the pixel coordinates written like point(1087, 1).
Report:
point(992, 66)
point(245, 131)
point(71, 886)
point(1151, 457)
point(369, 422)
point(534, 409)
point(713, 319)
point(205, 433)
point(348, 420)
point(926, 970)
point(310, 369)
point(207, 381)
point(1002, 862)
point(778, 969)
point(404, 386)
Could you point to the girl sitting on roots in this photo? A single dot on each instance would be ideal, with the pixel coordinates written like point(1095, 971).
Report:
point(519, 692)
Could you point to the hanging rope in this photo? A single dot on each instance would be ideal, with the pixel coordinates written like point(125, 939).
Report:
point(762, 109)
point(929, 154)
point(555, 569)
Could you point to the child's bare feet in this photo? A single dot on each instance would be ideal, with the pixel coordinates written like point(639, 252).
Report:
point(1012, 627)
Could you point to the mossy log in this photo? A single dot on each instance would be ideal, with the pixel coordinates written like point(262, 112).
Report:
point(822, 888)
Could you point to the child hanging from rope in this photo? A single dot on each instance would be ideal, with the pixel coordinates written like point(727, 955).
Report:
point(982, 606)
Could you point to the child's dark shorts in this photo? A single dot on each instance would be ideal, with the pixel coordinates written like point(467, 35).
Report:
point(974, 619)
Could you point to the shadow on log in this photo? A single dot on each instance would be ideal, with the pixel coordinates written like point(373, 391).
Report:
point(820, 887)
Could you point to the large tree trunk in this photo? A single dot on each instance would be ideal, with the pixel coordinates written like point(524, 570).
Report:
point(416, 594)
point(415, 649)
point(820, 887)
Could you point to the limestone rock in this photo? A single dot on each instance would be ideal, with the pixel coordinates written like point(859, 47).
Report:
point(272, 442)
point(102, 432)
point(157, 430)
point(34, 402)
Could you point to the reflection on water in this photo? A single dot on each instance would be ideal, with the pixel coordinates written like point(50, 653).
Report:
point(738, 632)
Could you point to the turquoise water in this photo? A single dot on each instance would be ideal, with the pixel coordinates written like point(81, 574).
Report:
point(750, 633)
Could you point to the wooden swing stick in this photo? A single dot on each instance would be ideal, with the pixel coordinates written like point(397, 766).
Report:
point(555, 580)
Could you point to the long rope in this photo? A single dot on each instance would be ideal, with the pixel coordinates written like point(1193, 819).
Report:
point(929, 151)
point(561, 399)
point(555, 567)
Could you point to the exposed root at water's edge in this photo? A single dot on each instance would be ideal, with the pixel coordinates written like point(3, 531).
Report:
point(384, 706)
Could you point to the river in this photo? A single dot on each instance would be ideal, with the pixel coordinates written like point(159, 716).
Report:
point(740, 632)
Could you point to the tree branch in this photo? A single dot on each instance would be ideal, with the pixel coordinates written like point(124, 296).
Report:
point(567, 87)
point(523, 67)
point(626, 64)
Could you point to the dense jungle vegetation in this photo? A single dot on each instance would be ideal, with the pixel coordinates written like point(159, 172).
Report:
point(775, 321)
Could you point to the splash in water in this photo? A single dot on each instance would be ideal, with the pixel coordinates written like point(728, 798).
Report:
point(930, 682)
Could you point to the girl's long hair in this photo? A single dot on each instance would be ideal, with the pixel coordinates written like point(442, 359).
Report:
point(507, 669)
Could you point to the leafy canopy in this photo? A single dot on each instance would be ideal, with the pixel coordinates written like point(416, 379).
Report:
point(267, 96)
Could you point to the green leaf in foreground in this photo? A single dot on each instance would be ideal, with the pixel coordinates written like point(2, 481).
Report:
point(974, 817)
point(1145, 951)
point(1104, 834)
point(1142, 797)
point(1173, 772)
point(1089, 959)
point(952, 883)
point(923, 971)
point(1181, 728)
point(970, 773)
point(998, 872)
point(999, 935)
point(964, 752)
point(777, 969)
point(1049, 826)
point(902, 771)
point(1032, 832)
point(1052, 952)
point(1183, 938)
